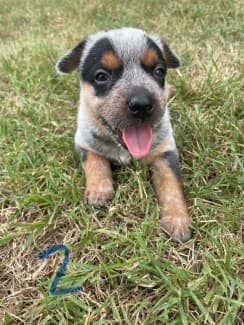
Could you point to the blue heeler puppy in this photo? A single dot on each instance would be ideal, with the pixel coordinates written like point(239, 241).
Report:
point(123, 113)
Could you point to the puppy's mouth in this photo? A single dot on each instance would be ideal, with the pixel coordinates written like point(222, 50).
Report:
point(138, 139)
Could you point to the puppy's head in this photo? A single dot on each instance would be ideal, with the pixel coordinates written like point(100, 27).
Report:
point(123, 82)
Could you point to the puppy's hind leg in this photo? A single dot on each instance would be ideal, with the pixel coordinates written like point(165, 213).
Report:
point(99, 182)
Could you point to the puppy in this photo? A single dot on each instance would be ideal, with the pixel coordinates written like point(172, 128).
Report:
point(123, 113)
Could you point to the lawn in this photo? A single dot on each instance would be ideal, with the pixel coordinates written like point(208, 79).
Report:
point(132, 273)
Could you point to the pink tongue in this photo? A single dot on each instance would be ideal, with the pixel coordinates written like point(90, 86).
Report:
point(138, 140)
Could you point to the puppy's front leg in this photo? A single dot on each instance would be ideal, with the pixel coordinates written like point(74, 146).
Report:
point(167, 183)
point(99, 183)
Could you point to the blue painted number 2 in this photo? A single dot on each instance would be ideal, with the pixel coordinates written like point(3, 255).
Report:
point(53, 288)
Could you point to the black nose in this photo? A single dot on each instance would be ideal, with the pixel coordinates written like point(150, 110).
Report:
point(140, 103)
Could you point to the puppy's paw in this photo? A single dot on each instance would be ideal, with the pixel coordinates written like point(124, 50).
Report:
point(177, 227)
point(98, 195)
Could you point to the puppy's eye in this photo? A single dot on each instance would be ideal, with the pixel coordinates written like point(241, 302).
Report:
point(159, 72)
point(102, 77)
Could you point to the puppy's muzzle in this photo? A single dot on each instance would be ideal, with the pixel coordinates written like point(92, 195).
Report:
point(140, 103)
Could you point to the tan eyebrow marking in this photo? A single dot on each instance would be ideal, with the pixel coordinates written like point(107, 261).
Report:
point(150, 58)
point(110, 60)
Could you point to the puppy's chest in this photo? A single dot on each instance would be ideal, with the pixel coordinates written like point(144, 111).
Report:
point(105, 145)
point(109, 147)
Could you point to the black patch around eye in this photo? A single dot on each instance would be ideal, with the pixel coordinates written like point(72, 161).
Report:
point(159, 72)
point(92, 64)
point(102, 76)
point(161, 63)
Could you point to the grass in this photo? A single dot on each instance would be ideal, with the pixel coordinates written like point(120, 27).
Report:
point(131, 272)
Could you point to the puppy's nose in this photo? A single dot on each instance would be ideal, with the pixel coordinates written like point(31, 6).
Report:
point(140, 104)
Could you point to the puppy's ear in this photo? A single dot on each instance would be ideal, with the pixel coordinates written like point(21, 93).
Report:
point(71, 60)
point(172, 60)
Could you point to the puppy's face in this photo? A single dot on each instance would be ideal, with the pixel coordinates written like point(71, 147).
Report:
point(123, 82)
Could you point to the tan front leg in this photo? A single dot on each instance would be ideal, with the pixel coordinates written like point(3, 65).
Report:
point(99, 183)
point(166, 178)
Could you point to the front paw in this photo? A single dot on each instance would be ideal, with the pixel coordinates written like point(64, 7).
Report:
point(98, 195)
point(177, 227)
